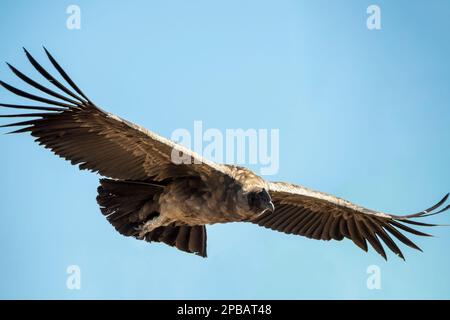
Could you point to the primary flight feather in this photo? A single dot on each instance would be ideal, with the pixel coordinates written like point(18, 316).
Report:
point(149, 196)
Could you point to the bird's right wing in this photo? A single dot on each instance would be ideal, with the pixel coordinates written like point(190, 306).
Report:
point(76, 129)
point(317, 215)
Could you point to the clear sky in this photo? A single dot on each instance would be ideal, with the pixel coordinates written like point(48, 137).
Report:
point(362, 114)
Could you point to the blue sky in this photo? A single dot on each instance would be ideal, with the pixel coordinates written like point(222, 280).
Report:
point(362, 114)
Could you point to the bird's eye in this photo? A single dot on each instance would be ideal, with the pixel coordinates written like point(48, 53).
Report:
point(257, 197)
point(252, 198)
point(264, 195)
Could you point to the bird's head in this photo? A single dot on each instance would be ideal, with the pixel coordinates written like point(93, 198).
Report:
point(259, 200)
point(253, 196)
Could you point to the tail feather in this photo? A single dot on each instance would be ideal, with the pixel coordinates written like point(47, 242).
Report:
point(190, 239)
point(128, 204)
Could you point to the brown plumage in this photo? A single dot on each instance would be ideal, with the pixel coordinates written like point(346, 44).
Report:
point(149, 196)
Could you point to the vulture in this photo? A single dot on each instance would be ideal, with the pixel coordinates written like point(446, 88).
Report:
point(144, 193)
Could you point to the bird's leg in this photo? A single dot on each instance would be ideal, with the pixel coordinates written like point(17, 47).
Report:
point(149, 226)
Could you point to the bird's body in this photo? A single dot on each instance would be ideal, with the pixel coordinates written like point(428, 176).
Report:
point(190, 202)
point(205, 200)
point(219, 198)
point(150, 195)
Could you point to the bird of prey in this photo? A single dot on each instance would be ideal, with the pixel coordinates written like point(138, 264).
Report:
point(146, 195)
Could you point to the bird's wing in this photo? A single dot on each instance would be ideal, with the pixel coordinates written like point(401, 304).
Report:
point(317, 215)
point(76, 129)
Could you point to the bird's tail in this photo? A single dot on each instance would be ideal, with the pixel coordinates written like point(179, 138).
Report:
point(129, 204)
point(190, 239)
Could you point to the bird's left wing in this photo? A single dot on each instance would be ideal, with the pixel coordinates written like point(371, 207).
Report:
point(317, 215)
point(76, 129)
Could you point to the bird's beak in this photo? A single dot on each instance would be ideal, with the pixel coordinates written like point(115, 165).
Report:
point(270, 207)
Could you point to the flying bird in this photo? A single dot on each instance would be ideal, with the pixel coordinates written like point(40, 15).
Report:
point(146, 195)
